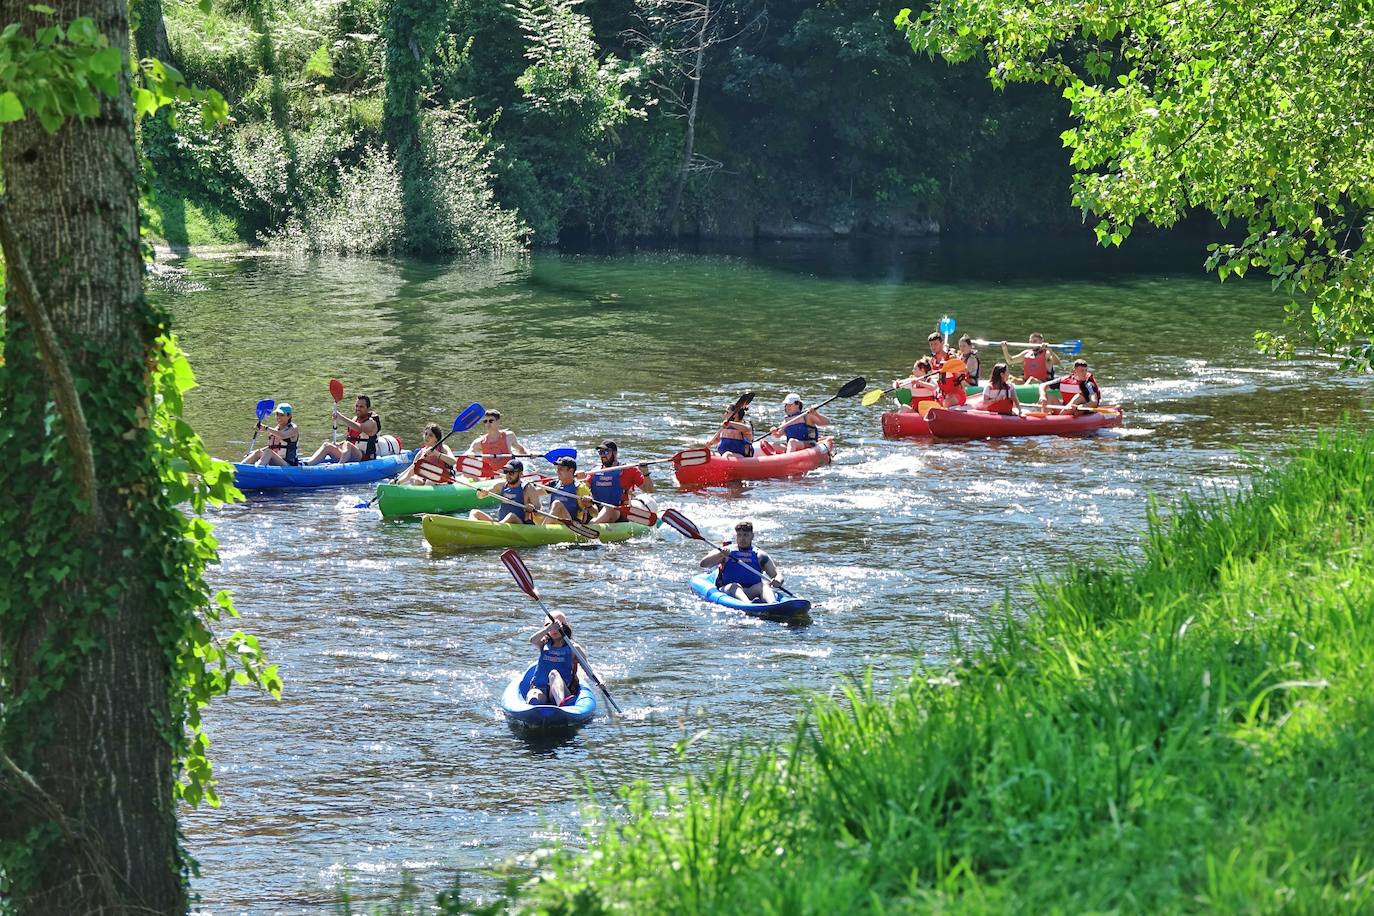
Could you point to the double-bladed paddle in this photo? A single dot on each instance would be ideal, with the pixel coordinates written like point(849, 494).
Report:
point(949, 365)
point(687, 458)
point(464, 421)
point(1070, 347)
point(335, 392)
point(946, 327)
point(472, 465)
point(265, 406)
point(688, 529)
point(847, 390)
point(521, 574)
point(632, 512)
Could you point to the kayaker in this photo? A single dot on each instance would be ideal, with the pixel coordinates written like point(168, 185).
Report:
point(920, 385)
point(950, 384)
point(524, 497)
point(1078, 390)
point(739, 568)
point(555, 677)
point(973, 366)
point(1037, 362)
point(573, 498)
point(434, 462)
point(282, 441)
point(999, 396)
point(939, 350)
point(360, 443)
point(615, 487)
point(495, 441)
point(800, 425)
point(736, 434)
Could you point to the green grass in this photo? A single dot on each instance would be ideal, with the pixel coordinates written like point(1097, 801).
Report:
point(180, 223)
point(1186, 733)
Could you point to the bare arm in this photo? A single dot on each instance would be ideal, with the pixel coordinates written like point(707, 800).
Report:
point(770, 569)
point(714, 558)
point(648, 485)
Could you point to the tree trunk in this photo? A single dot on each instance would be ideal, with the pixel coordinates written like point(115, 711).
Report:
point(88, 726)
point(689, 144)
point(150, 38)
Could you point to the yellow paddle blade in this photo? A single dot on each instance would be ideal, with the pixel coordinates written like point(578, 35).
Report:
point(952, 366)
point(873, 397)
point(925, 407)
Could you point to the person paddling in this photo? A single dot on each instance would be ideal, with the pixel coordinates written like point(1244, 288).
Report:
point(569, 498)
point(615, 487)
point(999, 396)
point(282, 441)
point(939, 350)
point(1078, 389)
point(973, 366)
point(522, 505)
point(800, 427)
point(495, 441)
point(921, 387)
point(1037, 362)
point(736, 578)
point(950, 385)
point(433, 463)
point(360, 442)
point(555, 677)
point(736, 434)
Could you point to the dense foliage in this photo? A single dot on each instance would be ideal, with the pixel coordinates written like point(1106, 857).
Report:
point(814, 117)
point(1256, 112)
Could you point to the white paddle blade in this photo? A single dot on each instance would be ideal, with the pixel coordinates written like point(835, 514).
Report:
point(582, 530)
point(469, 466)
point(640, 515)
point(519, 572)
point(682, 524)
point(691, 457)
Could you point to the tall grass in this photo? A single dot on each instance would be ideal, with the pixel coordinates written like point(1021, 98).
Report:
point(1190, 732)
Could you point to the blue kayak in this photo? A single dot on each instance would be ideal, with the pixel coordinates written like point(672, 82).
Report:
point(705, 587)
point(254, 477)
point(519, 712)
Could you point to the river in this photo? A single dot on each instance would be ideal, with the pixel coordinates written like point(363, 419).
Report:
point(387, 752)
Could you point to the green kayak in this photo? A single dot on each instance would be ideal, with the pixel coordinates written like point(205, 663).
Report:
point(444, 532)
point(396, 499)
point(1026, 394)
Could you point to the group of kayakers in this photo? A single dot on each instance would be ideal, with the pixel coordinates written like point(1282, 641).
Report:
point(799, 428)
point(362, 436)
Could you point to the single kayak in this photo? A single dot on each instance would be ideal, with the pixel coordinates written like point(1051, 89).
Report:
point(979, 424)
point(255, 477)
point(705, 587)
point(395, 499)
point(1026, 394)
point(445, 532)
point(518, 712)
point(724, 469)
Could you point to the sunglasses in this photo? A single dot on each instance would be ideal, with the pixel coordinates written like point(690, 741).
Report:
point(490, 420)
point(604, 451)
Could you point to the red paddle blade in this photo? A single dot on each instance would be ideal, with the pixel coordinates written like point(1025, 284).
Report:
point(682, 524)
point(640, 515)
point(469, 466)
point(336, 389)
point(519, 572)
point(690, 457)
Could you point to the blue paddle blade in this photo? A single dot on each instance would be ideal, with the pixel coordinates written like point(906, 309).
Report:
point(265, 406)
point(946, 326)
point(470, 417)
point(1072, 347)
point(557, 453)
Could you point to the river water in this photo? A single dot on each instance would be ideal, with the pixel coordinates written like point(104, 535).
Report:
point(387, 753)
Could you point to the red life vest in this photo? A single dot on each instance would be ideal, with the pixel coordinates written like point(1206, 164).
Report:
point(952, 389)
point(998, 400)
point(1038, 367)
point(1070, 385)
point(491, 466)
point(433, 469)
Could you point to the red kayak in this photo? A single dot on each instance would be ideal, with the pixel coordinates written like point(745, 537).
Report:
point(766, 462)
point(980, 424)
point(898, 423)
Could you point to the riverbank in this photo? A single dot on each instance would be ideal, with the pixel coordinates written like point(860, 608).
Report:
point(1190, 731)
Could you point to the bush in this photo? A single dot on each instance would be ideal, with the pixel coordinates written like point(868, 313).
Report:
point(364, 216)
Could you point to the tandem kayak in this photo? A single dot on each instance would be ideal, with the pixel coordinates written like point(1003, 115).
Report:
point(518, 712)
point(255, 477)
point(979, 424)
point(444, 532)
point(898, 423)
point(705, 587)
point(416, 499)
point(1026, 394)
point(723, 469)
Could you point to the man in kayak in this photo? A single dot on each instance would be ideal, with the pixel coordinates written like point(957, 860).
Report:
point(800, 427)
point(615, 487)
point(433, 462)
point(360, 442)
point(736, 433)
point(1037, 362)
point(569, 498)
point(739, 568)
point(1079, 390)
point(939, 350)
point(282, 440)
point(495, 441)
point(521, 500)
point(555, 678)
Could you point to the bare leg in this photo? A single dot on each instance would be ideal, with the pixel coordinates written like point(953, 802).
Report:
point(328, 450)
point(558, 511)
point(606, 516)
point(477, 515)
point(272, 459)
point(536, 697)
point(558, 690)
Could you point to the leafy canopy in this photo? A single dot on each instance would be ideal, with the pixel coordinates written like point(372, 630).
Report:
point(1254, 110)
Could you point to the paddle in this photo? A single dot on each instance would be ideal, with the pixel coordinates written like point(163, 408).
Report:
point(265, 406)
point(685, 526)
point(687, 458)
point(575, 527)
point(521, 574)
point(847, 390)
point(335, 392)
point(471, 465)
point(633, 513)
point(1045, 407)
point(1070, 347)
point(464, 421)
point(946, 328)
point(950, 365)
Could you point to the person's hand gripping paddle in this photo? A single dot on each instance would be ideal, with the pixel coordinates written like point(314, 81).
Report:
point(265, 406)
point(848, 390)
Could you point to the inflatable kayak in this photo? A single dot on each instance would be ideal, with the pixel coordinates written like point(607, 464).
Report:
point(444, 532)
point(705, 587)
point(721, 469)
point(518, 712)
point(979, 424)
point(1026, 394)
point(898, 423)
point(416, 499)
point(254, 477)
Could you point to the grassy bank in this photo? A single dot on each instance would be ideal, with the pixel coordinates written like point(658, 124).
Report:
point(1190, 732)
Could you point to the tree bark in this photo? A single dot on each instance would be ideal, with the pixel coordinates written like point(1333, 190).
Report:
point(88, 726)
point(689, 144)
point(150, 37)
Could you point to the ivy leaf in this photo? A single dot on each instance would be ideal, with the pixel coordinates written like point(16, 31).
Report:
point(11, 109)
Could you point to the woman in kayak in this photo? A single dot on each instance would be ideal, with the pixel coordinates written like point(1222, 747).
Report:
point(569, 498)
point(739, 568)
point(736, 434)
point(495, 446)
point(614, 485)
point(282, 440)
point(1037, 362)
point(360, 443)
point(921, 387)
point(973, 366)
point(522, 500)
point(433, 463)
point(555, 678)
point(951, 382)
point(1079, 390)
point(1000, 395)
point(800, 426)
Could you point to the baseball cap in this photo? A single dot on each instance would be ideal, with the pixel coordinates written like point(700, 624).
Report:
point(610, 444)
point(566, 461)
point(792, 398)
point(517, 466)
point(284, 408)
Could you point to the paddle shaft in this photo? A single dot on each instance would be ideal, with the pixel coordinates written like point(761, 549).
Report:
point(594, 502)
point(758, 572)
point(581, 658)
point(1012, 343)
point(575, 526)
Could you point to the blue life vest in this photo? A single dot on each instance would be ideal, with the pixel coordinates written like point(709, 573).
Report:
point(734, 571)
point(567, 495)
point(737, 446)
point(554, 658)
point(800, 430)
point(606, 487)
point(515, 494)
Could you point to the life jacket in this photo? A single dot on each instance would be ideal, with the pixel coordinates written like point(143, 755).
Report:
point(289, 445)
point(369, 444)
point(801, 430)
point(998, 400)
point(1037, 367)
point(733, 571)
point(492, 466)
point(975, 366)
point(514, 494)
point(952, 389)
point(556, 658)
point(607, 488)
point(567, 495)
point(744, 446)
point(1070, 385)
point(433, 469)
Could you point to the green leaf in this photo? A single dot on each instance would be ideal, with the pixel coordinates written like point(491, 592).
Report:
point(206, 6)
point(11, 109)
point(106, 61)
point(41, 8)
point(319, 63)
